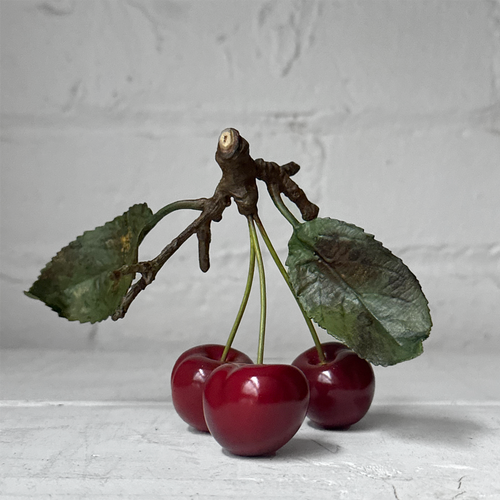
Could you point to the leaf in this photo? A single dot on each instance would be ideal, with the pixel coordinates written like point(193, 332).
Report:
point(358, 291)
point(78, 283)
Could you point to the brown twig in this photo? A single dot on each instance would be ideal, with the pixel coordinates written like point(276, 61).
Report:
point(277, 179)
point(238, 183)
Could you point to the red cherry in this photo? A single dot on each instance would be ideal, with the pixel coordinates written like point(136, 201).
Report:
point(190, 372)
point(341, 390)
point(255, 409)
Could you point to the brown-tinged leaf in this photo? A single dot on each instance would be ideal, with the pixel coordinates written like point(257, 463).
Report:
point(78, 283)
point(358, 291)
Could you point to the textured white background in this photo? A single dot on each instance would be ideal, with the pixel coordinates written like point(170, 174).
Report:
point(391, 108)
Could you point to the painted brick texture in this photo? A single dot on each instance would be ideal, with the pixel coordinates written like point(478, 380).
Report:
point(391, 108)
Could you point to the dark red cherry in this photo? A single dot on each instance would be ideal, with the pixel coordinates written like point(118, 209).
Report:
point(190, 372)
point(255, 409)
point(341, 390)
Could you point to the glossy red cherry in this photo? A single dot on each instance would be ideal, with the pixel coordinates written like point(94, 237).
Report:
point(341, 390)
point(190, 372)
point(255, 409)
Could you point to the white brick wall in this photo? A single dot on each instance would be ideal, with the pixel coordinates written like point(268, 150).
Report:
point(392, 109)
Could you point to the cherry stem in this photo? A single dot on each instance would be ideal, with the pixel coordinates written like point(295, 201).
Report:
point(262, 282)
point(286, 277)
point(244, 302)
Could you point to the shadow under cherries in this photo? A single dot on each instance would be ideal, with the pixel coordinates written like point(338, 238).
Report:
point(450, 425)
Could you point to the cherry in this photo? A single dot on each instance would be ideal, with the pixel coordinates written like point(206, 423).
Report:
point(254, 410)
point(190, 372)
point(341, 390)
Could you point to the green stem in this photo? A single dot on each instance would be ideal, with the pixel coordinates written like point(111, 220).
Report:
point(246, 295)
point(168, 209)
point(262, 282)
point(278, 202)
point(286, 277)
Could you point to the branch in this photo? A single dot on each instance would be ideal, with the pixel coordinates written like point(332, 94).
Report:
point(212, 211)
point(238, 183)
point(277, 179)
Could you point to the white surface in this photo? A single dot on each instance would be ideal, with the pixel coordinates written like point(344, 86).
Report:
point(101, 425)
point(141, 450)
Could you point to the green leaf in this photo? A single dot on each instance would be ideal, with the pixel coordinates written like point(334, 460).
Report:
point(358, 291)
point(78, 282)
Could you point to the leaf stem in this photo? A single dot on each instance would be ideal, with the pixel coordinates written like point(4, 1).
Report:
point(286, 277)
point(244, 302)
point(197, 204)
point(280, 205)
point(262, 282)
point(212, 210)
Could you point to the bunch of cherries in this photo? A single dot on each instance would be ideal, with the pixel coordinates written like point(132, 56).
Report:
point(250, 409)
point(255, 409)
